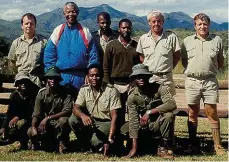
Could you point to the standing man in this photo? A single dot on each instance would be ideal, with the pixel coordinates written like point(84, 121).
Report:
point(105, 34)
point(26, 52)
point(120, 56)
point(160, 50)
point(71, 49)
point(52, 108)
point(95, 111)
point(151, 107)
point(201, 82)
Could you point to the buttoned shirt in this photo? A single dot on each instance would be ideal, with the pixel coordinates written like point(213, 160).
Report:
point(47, 103)
point(138, 103)
point(202, 55)
point(99, 106)
point(158, 55)
point(28, 55)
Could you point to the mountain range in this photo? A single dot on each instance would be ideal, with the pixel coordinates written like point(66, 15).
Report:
point(87, 16)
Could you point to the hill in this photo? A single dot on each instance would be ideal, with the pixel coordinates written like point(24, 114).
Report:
point(49, 20)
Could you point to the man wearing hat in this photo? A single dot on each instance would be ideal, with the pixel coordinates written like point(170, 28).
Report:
point(150, 107)
point(52, 108)
point(18, 116)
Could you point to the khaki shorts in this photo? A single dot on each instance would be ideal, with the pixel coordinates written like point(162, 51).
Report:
point(166, 80)
point(196, 89)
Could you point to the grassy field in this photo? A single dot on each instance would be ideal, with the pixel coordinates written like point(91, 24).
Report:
point(204, 134)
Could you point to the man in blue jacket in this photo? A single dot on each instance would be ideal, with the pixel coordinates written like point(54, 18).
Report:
point(71, 49)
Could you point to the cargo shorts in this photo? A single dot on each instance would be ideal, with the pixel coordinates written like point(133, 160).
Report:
point(206, 89)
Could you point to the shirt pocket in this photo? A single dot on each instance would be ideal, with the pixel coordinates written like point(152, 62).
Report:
point(190, 51)
point(165, 49)
point(214, 52)
point(104, 105)
point(21, 56)
point(146, 49)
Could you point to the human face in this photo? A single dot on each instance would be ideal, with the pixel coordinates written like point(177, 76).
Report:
point(125, 30)
point(94, 77)
point(28, 25)
point(71, 13)
point(104, 24)
point(52, 82)
point(156, 24)
point(142, 80)
point(202, 28)
point(23, 85)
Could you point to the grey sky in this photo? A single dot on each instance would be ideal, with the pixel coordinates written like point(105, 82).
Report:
point(216, 9)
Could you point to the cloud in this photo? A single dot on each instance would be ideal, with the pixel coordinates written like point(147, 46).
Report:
point(217, 10)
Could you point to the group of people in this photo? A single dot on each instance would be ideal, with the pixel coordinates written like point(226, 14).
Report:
point(104, 85)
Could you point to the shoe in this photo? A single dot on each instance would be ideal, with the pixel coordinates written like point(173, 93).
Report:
point(6, 141)
point(192, 150)
point(219, 150)
point(62, 148)
point(164, 153)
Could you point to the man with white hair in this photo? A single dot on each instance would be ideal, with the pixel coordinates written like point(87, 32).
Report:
point(160, 50)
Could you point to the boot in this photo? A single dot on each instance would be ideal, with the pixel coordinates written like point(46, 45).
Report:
point(164, 150)
point(62, 147)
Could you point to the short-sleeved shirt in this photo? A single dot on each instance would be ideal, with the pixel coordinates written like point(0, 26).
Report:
point(138, 103)
point(47, 103)
point(101, 43)
point(158, 55)
point(100, 106)
point(202, 55)
point(28, 56)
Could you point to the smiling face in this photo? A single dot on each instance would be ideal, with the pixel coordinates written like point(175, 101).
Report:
point(156, 24)
point(202, 28)
point(94, 77)
point(125, 29)
point(71, 13)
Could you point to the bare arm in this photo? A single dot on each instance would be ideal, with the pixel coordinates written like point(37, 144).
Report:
point(113, 125)
point(78, 113)
point(220, 61)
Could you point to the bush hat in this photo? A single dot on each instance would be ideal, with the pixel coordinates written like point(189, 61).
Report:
point(140, 69)
point(53, 73)
point(21, 78)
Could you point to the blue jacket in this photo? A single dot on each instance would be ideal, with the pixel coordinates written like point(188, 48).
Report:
point(70, 52)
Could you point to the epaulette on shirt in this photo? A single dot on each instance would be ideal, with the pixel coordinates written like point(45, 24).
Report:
point(42, 89)
point(110, 85)
point(169, 32)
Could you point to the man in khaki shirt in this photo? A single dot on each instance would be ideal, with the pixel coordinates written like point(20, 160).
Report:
point(26, 52)
point(95, 112)
point(160, 50)
point(202, 56)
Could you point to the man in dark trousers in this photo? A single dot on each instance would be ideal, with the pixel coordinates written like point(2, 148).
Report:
point(95, 111)
point(151, 107)
point(18, 116)
point(52, 108)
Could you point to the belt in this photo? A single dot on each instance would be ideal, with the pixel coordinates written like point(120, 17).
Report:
point(162, 73)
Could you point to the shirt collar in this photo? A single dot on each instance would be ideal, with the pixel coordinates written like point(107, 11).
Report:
point(210, 37)
point(119, 39)
point(23, 37)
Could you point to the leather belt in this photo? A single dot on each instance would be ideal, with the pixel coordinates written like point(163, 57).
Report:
point(161, 73)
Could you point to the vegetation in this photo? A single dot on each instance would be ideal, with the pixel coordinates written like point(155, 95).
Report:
point(7, 153)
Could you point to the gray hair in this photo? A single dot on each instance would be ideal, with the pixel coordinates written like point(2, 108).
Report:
point(71, 4)
point(155, 13)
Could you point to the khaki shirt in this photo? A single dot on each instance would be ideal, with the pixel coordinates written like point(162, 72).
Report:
point(202, 55)
point(100, 106)
point(158, 54)
point(28, 56)
point(48, 104)
point(138, 103)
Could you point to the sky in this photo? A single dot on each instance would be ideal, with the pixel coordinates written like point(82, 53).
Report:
point(217, 10)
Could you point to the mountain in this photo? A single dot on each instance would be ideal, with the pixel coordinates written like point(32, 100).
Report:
point(88, 17)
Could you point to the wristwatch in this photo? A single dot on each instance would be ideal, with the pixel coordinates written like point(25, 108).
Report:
point(148, 112)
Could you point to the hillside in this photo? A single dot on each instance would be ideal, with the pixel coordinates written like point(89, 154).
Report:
point(49, 20)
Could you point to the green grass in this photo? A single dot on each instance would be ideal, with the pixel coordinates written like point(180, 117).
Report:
point(204, 133)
